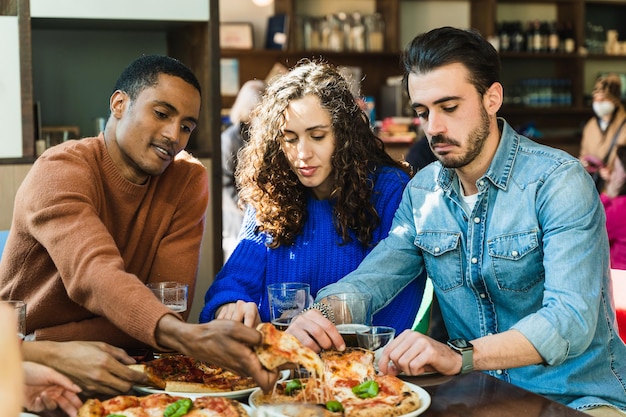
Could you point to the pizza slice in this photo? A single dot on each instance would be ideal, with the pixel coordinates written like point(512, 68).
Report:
point(162, 405)
point(278, 348)
point(351, 378)
point(393, 398)
point(216, 407)
point(181, 373)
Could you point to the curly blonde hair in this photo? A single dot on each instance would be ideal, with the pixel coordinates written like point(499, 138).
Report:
point(265, 179)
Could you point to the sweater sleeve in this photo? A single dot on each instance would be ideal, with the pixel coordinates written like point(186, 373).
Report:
point(243, 275)
point(390, 184)
point(96, 329)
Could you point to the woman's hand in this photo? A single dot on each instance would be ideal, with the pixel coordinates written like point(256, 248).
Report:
point(47, 389)
point(315, 331)
point(241, 311)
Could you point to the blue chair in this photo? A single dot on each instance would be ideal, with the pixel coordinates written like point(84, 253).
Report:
point(3, 239)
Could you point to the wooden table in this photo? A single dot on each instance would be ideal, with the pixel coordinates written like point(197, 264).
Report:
point(480, 395)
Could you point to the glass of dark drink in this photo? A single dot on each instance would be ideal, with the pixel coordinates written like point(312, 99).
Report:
point(287, 300)
point(353, 312)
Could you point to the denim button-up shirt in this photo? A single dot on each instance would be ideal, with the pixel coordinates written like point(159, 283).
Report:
point(531, 255)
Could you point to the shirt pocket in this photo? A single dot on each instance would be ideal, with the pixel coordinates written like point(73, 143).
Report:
point(516, 260)
point(442, 258)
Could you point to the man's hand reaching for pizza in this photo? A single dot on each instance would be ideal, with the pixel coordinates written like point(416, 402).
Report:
point(225, 343)
point(96, 367)
point(241, 311)
point(316, 332)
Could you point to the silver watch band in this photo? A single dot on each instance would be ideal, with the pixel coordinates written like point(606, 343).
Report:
point(325, 309)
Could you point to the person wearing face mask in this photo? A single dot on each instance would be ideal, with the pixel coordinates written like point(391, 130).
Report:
point(605, 131)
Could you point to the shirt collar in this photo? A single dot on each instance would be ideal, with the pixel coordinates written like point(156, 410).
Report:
point(499, 171)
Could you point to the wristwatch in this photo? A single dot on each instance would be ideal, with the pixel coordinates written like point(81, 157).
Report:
point(466, 350)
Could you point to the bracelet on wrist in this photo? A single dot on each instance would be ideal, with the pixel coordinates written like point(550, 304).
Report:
point(325, 309)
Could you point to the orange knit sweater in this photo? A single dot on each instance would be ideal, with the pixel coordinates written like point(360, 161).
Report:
point(84, 241)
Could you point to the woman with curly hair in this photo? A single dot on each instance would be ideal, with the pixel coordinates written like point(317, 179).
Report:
point(320, 192)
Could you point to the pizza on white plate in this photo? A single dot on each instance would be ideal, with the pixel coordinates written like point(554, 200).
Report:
point(347, 384)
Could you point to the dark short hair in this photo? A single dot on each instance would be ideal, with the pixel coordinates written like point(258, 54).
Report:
point(144, 72)
point(447, 45)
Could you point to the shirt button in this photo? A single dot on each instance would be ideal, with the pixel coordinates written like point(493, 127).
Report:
point(437, 249)
point(474, 260)
point(499, 372)
point(481, 183)
point(477, 220)
point(514, 253)
point(482, 295)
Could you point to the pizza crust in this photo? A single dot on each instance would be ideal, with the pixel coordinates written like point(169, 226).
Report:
point(190, 387)
point(139, 367)
point(410, 402)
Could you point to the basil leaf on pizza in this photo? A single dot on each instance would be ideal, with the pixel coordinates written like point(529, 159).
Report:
point(368, 389)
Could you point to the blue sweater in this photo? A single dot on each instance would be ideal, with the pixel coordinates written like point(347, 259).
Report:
point(315, 257)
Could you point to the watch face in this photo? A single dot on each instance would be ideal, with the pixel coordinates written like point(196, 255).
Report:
point(460, 343)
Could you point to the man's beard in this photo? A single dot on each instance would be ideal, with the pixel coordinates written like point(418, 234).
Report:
point(475, 143)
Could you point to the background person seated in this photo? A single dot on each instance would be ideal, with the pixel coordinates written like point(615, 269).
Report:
point(614, 200)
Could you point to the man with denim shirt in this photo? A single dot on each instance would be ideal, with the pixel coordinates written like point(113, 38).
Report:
point(512, 234)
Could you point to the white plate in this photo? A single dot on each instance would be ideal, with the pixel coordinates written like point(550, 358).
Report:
point(248, 409)
point(28, 415)
point(421, 392)
point(237, 395)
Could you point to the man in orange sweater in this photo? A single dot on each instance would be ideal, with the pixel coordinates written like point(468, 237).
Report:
point(98, 218)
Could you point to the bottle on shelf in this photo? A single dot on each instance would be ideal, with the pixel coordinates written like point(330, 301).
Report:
point(553, 38)
point(356, 35)
point(528, 34)
point(567, 38)
point(517, 39)
point(504, 37)
point(374, 32)
point(536, 45)
point(544, 29)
